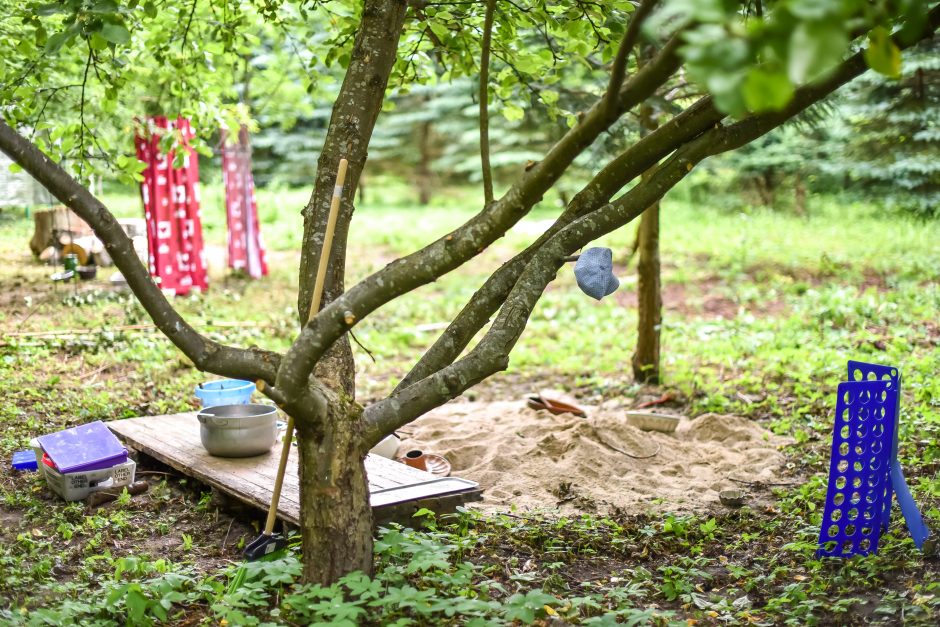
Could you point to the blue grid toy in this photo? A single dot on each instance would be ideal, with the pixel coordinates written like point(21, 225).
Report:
point(864, 472)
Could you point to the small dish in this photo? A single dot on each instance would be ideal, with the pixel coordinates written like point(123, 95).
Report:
point(731, 498)
point(649, 421)
point(434, 464)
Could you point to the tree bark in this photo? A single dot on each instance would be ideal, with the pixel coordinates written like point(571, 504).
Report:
point(649, 283)
point(335, 515)
point(649, 299)
point(423, 170)
point(354, 115)
point(799, 196)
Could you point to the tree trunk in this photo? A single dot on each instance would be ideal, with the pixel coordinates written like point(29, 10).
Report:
point(799, 196)
point(649, 299)
point(649, 284)
point(42, 231)
point(423, 170)
point(335, 515)
point(765, 189)
point(354, 114)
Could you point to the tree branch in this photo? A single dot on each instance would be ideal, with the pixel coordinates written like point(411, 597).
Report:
point(628, 165)
point(484, 104)
point(630, 35)
point(207, 355)
point(491, 354)
point(452, 250)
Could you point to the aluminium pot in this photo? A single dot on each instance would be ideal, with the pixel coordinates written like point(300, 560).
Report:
point(238, 430)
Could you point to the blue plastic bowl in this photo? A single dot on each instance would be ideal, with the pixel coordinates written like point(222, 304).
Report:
point(225, 392)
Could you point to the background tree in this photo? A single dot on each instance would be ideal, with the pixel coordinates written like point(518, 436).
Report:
point(760, 71)
point(893, 138)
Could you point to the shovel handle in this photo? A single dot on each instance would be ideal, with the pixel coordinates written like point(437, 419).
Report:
point(328, 239)
point(314, 308)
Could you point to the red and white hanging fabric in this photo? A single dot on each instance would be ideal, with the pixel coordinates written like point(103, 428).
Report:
point(171, 208)
point(245, 246)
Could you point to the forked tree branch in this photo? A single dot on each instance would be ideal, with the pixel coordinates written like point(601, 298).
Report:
point(207, 355)
point(452, 250)
point(484, 103)
point(491, 354)
point(618, 173)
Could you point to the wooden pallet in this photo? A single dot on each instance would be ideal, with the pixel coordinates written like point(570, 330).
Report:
point(396, 490)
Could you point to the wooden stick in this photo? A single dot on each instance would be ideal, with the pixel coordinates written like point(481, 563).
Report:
point(106, 495)
point(328, 239)
point(247, 324)
point(314, 308)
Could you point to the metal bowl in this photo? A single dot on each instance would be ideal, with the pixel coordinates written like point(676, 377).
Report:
point(238, 430)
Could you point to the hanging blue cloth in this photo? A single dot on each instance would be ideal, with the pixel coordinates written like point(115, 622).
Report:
point(594, 272)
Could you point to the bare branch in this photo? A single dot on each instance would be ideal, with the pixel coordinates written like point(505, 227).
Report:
point(484, 104)
point(189, 22)
point(630, 36)
point(206, 355)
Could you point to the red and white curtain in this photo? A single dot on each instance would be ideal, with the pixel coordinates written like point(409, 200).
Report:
point(171, 208)
point(245, 246)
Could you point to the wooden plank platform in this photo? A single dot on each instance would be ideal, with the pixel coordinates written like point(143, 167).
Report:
point(396, 490)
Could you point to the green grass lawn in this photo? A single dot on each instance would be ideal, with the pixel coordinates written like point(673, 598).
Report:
point(762, 311)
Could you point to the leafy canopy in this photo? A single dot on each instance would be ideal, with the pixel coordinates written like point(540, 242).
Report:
point(79, 72)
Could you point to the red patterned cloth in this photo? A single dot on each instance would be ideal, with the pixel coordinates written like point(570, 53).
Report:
point(171, 208)
point(245, 247)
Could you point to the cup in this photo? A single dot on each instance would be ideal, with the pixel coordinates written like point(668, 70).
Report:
point(416, 459)
point(71, 262)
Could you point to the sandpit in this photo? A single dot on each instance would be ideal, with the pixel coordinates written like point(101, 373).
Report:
point(534, 460)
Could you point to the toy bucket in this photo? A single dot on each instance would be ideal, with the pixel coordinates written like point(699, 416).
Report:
point(225, 392)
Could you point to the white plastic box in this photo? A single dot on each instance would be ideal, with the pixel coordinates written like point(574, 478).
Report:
point(75, 486)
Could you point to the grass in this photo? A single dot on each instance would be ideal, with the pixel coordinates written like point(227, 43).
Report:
point(762, 311)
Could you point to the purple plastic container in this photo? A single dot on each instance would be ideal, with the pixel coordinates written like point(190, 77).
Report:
point(83, 448)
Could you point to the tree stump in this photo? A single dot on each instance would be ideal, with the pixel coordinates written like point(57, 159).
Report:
point(42, 231)
point(57, 227)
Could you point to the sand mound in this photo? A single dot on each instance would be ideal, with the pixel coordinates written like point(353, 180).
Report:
point(532, 459)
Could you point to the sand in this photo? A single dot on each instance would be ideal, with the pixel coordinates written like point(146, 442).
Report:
point(533, 460)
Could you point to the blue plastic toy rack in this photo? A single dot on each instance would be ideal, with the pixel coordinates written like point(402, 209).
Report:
point(864, 472)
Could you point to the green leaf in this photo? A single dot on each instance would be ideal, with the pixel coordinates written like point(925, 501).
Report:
point(136, 605)
point(97, 42)
point(767, 90)
point(811, 9)
point(439, 29)
point(54, 43)
point(105, 6)
point(150, 9)
point(815, 47)
point(115, 33)
point(513, 113)
point(50, 8)
point(882, 55)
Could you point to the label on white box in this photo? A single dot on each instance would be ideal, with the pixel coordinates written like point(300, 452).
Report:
point(75, 486)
